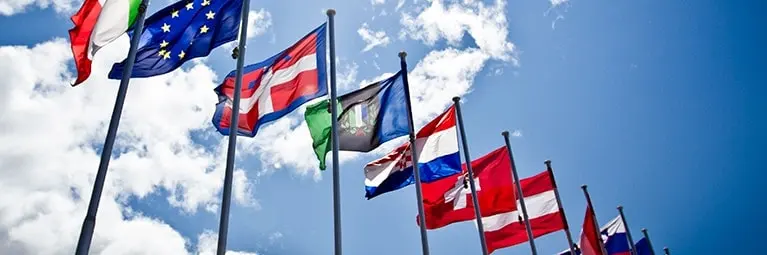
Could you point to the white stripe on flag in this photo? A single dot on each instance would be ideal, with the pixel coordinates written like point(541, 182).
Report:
point(537, 205)
point(263, 95)
point(439, 144)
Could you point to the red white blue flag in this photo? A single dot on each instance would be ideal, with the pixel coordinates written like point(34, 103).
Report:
point(275, 87)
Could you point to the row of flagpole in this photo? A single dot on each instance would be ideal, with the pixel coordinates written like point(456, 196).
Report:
point(88, 226)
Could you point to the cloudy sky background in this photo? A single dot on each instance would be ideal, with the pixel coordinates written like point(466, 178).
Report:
point(657, 105)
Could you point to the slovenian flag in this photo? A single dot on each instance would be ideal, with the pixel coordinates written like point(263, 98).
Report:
point(437, 149)
point(615, 238)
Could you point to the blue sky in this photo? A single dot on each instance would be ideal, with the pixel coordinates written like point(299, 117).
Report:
point(656, 105)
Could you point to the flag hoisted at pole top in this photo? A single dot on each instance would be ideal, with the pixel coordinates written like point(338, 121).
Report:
point(508, 210)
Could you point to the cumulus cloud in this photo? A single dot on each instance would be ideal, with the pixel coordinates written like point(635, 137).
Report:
point(258, 22)
point(11, 7)
point(51, 137)
point(207, 243)
point(486, 24)
point(434, 80)
point(372, 38)
point(377, 2)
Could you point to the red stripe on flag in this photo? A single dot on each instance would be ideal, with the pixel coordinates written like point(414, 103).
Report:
point(515, 233)
point(80, 37)
point(305, 47)
point(304, 84)
point(442, 122)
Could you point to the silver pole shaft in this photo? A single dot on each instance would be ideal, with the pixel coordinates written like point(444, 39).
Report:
point(520, 195)
point(334, 135)
point(467, 156)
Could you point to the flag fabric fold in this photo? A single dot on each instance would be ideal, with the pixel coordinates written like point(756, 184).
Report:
point(97, 24)
point(180, 32)
point(590, 235)
point(508, 229)
point(368, 117)
point(643, 247)
point(438, 157)
point(448, 200)
point(615, 238)
point(276, 86)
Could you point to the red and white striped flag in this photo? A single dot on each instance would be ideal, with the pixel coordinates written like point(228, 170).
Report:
point(508, 229)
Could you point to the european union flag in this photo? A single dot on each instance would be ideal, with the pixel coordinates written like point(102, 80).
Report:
point(182, 31)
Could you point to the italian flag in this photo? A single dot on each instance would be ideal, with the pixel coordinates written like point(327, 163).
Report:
point(98, 23)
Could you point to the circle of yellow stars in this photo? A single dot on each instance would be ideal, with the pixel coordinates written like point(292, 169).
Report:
point(166, 54)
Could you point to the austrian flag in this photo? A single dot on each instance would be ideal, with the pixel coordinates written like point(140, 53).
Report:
point(275, 87)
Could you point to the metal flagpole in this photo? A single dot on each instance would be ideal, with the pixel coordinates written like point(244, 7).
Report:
point(334, 134)
point(416, 172)
point(665, 250)
point(561, 208)
point(628, 232)
point(477, 212)
point(86, 233)
point(226, 200)
point(520, 195)
point(594, 214)
point(647, 236)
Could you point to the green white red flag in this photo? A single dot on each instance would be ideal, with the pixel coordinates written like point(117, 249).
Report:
point(98, 23)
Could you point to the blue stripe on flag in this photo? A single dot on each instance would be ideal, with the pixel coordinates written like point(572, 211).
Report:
point(434, 170)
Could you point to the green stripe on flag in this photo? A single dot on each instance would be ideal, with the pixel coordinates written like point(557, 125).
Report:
point(133, 11)
point(318, 120)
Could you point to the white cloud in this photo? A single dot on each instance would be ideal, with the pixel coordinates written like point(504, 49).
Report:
point(48, 161)
point(486, 24)
point(516, 133)
point(400, 3)
point(377, 2)
point(372, 38)
point(434, 80)
point(258, 22)
point(557, 2)
point(207, 243)
point(12, 7)
point(347, 75)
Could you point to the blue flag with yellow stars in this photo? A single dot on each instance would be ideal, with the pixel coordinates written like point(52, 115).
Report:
point(182, 31)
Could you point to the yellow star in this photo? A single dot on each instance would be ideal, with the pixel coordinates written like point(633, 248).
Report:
point(181, 55)
point(205, 2)
point(165, 27)
point(167, 55)
point(174, 14)
point(210, 14)
point(204, 29)
point(163, 44)
point(190, 6)
point(161, 53)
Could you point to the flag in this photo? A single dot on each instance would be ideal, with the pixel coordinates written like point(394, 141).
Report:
point(449, 200)
point(182, 31)
point(276, 86)
point(97, 24)
point(643, 247)
point(615, 237)
point(508, 229)
point(590, 235)
point(437, 147)
point(367, 118)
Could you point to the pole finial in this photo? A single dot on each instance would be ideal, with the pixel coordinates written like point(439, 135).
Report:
point(505, 133)
point(331, 12)
point(547, 162)
point(402, 54)
point(644, 230)
point(456, 99)
point(620, 208)
point(584, 186)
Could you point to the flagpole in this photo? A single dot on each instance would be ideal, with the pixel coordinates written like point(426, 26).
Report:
point(467, 155)
point(416, 172)
point(226, 200)
point(561, 208)
point(594, 214)
point(334, 137)
point(520, 195)
point(628, 232)
point(665, 250)
point(647, 236)
point(89, 224)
